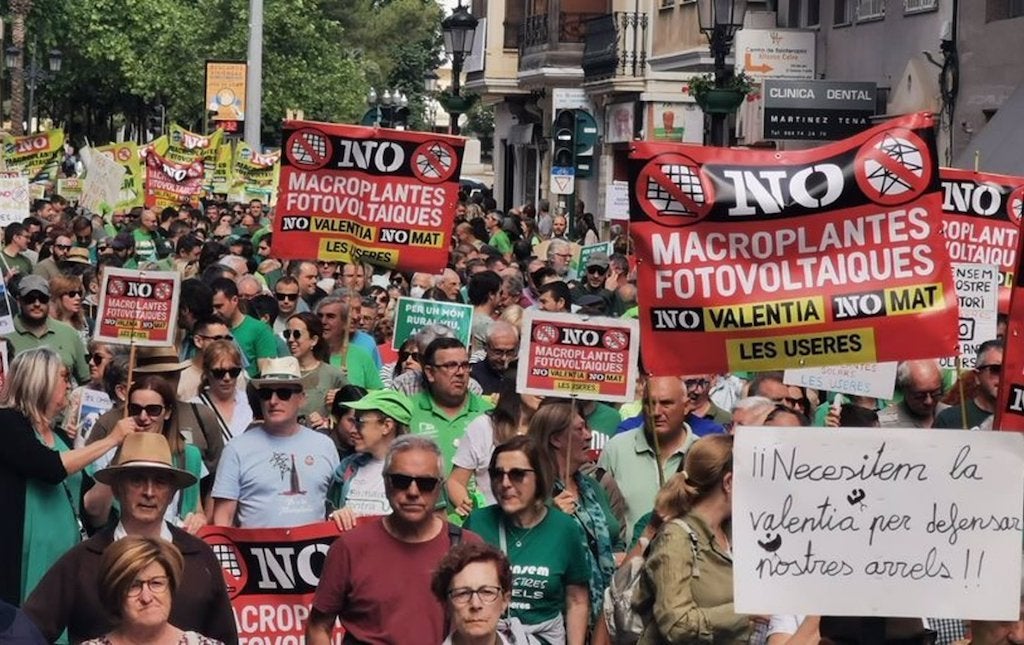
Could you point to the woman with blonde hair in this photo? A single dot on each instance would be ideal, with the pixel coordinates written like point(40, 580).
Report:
point(39, 474)
point(137, 581)
point(66, 297)
point(218, 390)
point(685, 589)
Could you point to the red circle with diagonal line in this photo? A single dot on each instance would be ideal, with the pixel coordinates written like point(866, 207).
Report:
point(434, 162)
point(545, 333)
point(615, 340)
point(232, 562)
point(672, 190)
point(309, 149)
point(893, 167)
point(1015, 205)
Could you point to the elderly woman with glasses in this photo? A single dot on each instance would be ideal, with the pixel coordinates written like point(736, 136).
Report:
point(77, 419)
point(151, 405)
point(552, 601)
point(320, 380)
point(357, 488)
point(219, 390)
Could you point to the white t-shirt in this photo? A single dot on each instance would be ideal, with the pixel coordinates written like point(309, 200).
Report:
point(474, 453)
point(366, 494)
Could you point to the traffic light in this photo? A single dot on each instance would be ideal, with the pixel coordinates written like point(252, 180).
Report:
point(565, 139)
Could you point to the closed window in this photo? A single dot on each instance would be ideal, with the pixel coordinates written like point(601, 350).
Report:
point(813, 13)
point(910, 6)
point(842, 12)
point(870, 9)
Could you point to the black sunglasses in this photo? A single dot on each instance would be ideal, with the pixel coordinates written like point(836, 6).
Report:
point(994, 368)
point(218, 337)
point(34, 297)
point(291, 297)
point(403, 482)
point(94, 359)
point(515, 475)
point(290, 334)
point(219, 373)
point(283, 393)
point(74, 294)
point(596, 269)
point(152, 410)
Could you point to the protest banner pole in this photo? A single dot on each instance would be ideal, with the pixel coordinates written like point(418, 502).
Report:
point(963, 390)
point(131, 348)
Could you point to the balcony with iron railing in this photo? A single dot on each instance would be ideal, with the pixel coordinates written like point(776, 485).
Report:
point(553, 40)
point(614, 47)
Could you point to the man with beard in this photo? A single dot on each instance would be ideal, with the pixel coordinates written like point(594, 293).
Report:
point(50, 267)
point(33, 328)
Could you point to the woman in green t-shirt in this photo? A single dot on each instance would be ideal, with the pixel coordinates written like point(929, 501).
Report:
point(305, 337)
point(544, 545)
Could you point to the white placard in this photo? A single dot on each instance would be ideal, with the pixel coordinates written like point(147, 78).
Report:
point(977, 290)
point(616, 200)
point(102, 182)
point(571, 98)
point(14, 197)
point(864, 379)
point(878, 522)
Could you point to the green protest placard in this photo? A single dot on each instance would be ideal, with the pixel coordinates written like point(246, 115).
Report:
point(579, 267)
point(413, 314)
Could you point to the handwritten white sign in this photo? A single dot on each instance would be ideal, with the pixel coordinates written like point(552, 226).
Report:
point(103, 180)
point(864, 379)
point(977, 290)
point(14, 197)
point(878, 522)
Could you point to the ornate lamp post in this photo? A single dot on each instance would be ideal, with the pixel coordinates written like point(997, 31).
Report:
point(719, 21)
point(35, 75)
point(459, 30)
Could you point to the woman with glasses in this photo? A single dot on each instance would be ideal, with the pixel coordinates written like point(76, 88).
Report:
point(305, 337)
point(99, 356)
point(357, 488)
point(66, 295)
point(138, 579)
point(474, 583)
point(552, 601)
point(510, 417)
point(559, 427)
point(408, 359)
point(151, 405)
point(219, 390)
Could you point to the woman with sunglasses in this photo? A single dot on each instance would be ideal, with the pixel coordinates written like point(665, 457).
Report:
point(552, 599)
point(305, 337)
point(151, 405)
point(562, 430)
point(510, 417)
point(66, 294)
point(408, 359)
point(99, 355)
point(218, 390)
point(357, 488)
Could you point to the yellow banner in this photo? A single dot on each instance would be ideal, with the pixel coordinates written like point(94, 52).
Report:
point(36, 155)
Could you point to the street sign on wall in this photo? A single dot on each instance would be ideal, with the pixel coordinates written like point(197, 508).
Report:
point(817, 110)
point(775, 53)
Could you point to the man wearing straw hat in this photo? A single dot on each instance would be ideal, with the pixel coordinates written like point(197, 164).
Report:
point(196, 422)
point(144, 481)
point(277, 473)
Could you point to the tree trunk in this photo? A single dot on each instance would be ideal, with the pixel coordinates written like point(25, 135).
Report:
point(19, 15)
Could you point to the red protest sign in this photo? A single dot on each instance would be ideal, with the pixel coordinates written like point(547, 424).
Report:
point(138, 307)
point(271, 575)
point(755, 260)
point(350, 193)
point(1009, 414)
point(982, 215)
point(169, 183)
point(568, 355)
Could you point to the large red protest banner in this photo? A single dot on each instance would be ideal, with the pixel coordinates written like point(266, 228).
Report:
point(1009, 414)
point(755, 260)
point(982, 215)
point(350, 193)
point(271, 575)
point(169, 183)
point(138, 307)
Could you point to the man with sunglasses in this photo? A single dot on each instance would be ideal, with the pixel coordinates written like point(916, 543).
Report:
point(988, 369)
point(376, 578)
point(33, 327)
point(205, 332)
point(286, 290)
point(50, 267)
point(277, 473)
point(593, 281)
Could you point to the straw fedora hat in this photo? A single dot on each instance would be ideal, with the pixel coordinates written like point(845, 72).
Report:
point(158, 360)
point(145, 451)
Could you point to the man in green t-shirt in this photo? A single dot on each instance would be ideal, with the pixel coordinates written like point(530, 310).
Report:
point(16, 239)
point(145, 236)
point(497, 237)
point(34, 328)
point(254, 338)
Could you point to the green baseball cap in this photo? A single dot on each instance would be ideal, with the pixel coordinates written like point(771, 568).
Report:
point(388, 402)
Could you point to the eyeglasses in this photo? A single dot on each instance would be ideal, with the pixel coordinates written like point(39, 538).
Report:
point(152, 410)
point(35, 297)
point(159, 585)
point(452, 366)
point(694, 383)
point(218, 337)
point(290, 297)
point(95, 358)
point(219, 372)
point(994, 368)
point(403, 482)
point(73, 294)
point(507, 353)
point(361, 421)
point(789, 400)
point(596, 270)
point(283, 393)
point(515, 475)
point(292, 334)
point(62, 247)
point(462, 596)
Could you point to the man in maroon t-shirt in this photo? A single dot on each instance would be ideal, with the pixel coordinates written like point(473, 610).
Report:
point(377, 576)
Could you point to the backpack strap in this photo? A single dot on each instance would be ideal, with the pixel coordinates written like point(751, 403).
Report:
point(694, 544)
point(454, 534)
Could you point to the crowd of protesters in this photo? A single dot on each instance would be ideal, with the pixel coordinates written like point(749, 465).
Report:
point(468, 512)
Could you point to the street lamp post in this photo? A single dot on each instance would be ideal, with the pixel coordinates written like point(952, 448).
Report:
point(459, 30)
point(719, 21)
point(429, 105)
point(390, 110)
point(34, 76)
